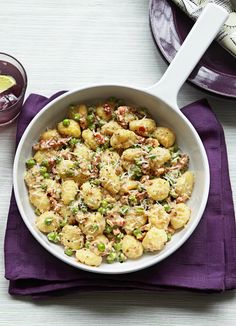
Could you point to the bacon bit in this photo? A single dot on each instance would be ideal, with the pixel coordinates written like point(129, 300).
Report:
point(160, 171)
point(71, 220)
point(107, 108)
point(55, 205)
point(153, 142)
point(83, 122)
point(144, 178)
point(146, 227)
point(125, 200)
point(182, 199)
point(116, 231)
point(145, 168)
point(142, 129)
point(170, 230)
point(141, 139)
point(120, 114)
point(51, 143)
point(181, 163)
point(99, 138)
point(141, 195)
point(96, 159)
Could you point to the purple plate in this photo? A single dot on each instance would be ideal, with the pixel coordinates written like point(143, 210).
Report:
point(215, 72)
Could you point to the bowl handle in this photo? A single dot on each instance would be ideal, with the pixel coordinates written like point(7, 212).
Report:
point(199, 38)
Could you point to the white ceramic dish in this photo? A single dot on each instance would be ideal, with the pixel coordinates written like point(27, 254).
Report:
point(163, 107)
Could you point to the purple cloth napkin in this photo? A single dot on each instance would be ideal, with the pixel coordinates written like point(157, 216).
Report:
point(207, 261)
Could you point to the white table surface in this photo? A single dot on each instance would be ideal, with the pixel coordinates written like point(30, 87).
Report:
point(64, 44)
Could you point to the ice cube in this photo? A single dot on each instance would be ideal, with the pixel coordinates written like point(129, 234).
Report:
point(7, 100)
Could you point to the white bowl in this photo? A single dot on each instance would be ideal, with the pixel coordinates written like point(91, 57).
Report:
point(187, 139)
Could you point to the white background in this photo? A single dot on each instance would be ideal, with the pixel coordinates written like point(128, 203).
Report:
point(65, 44)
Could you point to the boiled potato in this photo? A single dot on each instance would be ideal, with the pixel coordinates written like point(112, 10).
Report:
point(92, 195)
point(134, 220)
point(184, 184)
point(123, 139)
point(159, 156)
point(109, 157)
point(131, 154)
point(87, 257)
point(77, 109)
point(110, 127)
point(89, 139)
point(110, 181)
point(128, 185)
point(158, 189)
point(100, 239)
point(154, 239)
point(82, 151)
point(101, 113)
point(48, 222)
point(158, 217)
point(179, 216)
point(73, 129)
point(165, 136)
point(39, 199)
point(131, 247)
point(94, 224)
point(72, 237)
point(49, 134)
point(143, 127)
point(69, 190)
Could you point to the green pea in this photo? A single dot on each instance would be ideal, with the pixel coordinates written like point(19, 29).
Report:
point(53, 237)
point(44, 187)
point(45, 175)
point(137, 233)
point(119, 236)
point(37, 211)
point(68, 252)
point(139, 209)
point(102, 210)
point(95, 227)
point(30, 163)
point(108, 229)
point(169, 237)
point(132, 199)
point(73, 141)
point(104, 203)
point(70, 173)
point(43, 170)
point(87, 244)
point(63, 223)
point(124, 210)
point(90, 118)
point(122, 258)
point(92, 126)
point(76, 117)
point(66, 122)
point(101, 247)
point(167, 208)
point(74, 210)
point(45, 163)
point(117, 246)
point(152, 157)
point(111, 257)
point(48, 220)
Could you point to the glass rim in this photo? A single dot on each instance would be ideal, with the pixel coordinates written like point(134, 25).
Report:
point(22, 94)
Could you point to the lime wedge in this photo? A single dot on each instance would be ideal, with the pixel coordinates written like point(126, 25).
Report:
point(6, 82)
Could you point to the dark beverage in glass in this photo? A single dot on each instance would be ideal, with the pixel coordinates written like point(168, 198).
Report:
point(13, 82)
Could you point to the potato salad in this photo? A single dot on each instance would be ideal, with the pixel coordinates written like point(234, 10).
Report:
point(108, 183)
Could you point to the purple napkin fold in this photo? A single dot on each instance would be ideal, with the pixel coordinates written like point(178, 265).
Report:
point(207, 261)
